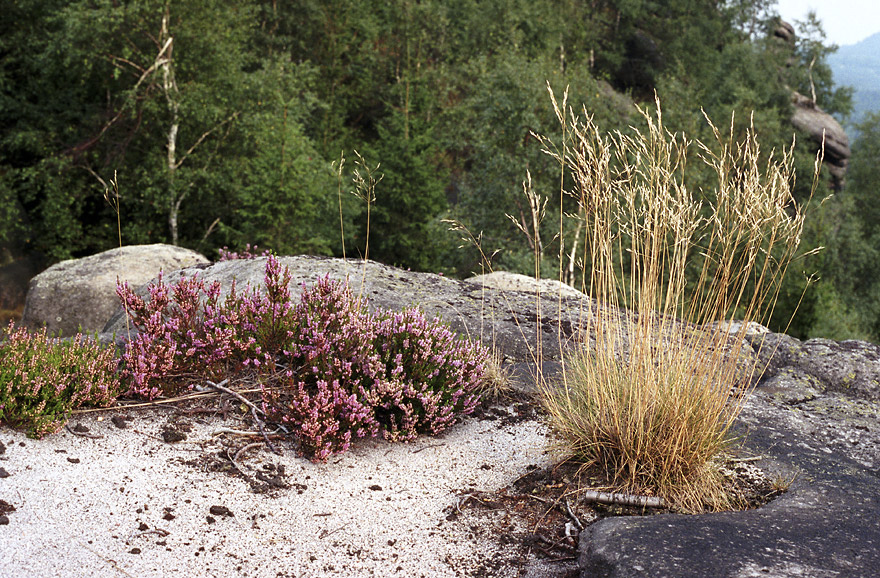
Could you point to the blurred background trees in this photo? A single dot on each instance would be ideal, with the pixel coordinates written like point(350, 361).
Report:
point(223, 120)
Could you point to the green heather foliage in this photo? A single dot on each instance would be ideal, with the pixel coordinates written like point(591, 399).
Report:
point(42, 380)
point(325, 365)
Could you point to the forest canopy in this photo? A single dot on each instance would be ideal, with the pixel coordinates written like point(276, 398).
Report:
point(234, 123)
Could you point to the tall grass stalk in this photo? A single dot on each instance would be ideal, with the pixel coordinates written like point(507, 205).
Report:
point(111, 195)
point(653, 387)
point(365, 189)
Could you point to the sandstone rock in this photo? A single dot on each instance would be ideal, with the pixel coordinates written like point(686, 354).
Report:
point(784, 31)
point(822, 127)
point(81, 293)
point(516, 282)
point(851, 367)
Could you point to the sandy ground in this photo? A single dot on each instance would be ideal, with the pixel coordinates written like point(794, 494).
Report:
point(128, 503)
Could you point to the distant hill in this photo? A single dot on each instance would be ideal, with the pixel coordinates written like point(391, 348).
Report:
point(858, 65)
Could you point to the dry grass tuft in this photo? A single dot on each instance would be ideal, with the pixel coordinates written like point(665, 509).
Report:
point(496, 384)
point(650, 395)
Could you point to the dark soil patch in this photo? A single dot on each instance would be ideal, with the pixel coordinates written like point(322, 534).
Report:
point(544, 511)
point(265, 478)
point(5, 508)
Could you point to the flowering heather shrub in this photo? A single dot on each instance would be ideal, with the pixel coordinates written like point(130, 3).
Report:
point(352, 374)
point(327, 367)
point(330, 364)
point(431, 376)
point(186, 334)
point(169, 349)
point(248, 253)
point(41, 381)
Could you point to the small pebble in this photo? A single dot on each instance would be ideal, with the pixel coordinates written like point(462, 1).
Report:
point(221, 511)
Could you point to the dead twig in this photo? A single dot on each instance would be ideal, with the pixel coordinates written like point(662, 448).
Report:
point(593, 496)
point(325, 533)
point(427, 447)
point(238, 432)
point(246, 448)
point(235, 465)
point(254, 409)
point(158, 531)
point(572, 515)
point(259, 423)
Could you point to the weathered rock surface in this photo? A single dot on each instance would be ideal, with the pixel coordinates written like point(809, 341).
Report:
point(823, 128)
point(812, 418)
point(81, 293)
point(503, 319)
point(516, 282)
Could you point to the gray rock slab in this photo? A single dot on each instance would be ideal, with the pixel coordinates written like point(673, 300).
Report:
point(507, 320)
point(80, 294)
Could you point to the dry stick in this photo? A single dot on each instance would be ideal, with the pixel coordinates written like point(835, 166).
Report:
point(246, 448)
point(236, 466)
point(623, 499)
point(153, 403)
point(239, 432)
point(157, 402)
point(108, 560)
point(254, 409)
point(572, 515)
point(158, 531)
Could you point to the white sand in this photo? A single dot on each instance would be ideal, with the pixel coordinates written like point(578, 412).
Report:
point(110, 514)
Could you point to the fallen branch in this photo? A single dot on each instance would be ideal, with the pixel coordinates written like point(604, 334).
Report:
point(221, 388)
point(594, 496)
point(238, 432)
point(254, 409)
point(246, 448)
point(236, 466)
point(572, 515)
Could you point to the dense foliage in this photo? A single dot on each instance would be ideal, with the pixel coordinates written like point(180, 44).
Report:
point(42, 380)
point(225, 121)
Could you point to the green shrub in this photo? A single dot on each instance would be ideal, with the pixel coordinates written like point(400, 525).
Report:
point(42, 380)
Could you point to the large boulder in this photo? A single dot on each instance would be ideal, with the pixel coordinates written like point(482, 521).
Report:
point(824, 130)
point(505, 320)
point(80, 294)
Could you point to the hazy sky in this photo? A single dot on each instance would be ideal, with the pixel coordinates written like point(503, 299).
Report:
point(844, 21)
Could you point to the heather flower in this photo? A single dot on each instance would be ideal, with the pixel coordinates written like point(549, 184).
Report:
point(332, 361)
point(432, 376)
point(42, 380)
point(248, 253)
point(187, 334)
point(327, 367)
